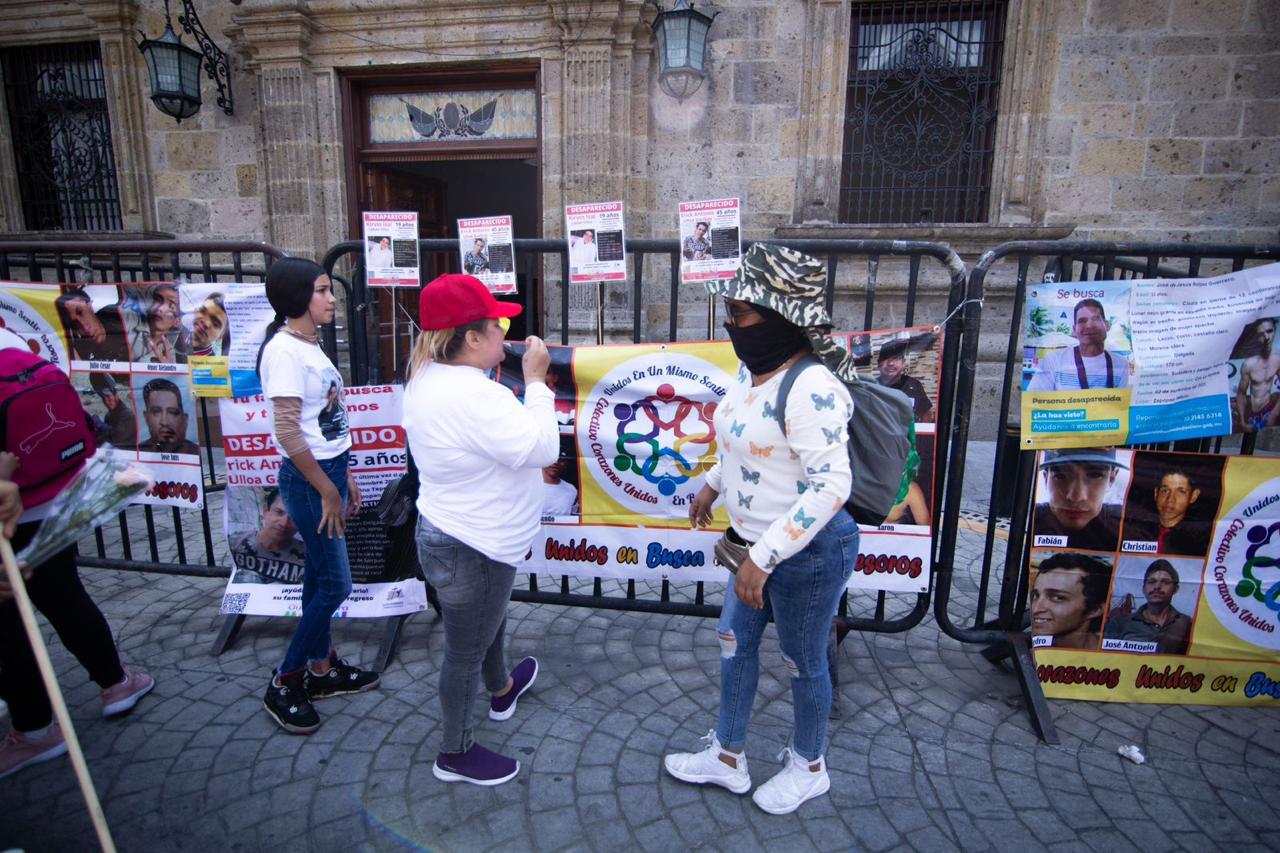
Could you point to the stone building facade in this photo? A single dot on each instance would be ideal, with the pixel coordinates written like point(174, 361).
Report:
point(1113, 119)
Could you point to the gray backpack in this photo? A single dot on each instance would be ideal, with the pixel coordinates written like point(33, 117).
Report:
point(882, 443)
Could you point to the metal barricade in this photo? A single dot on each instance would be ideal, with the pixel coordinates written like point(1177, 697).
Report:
point(1004, 632)
point(370, 325)
point(183, 543)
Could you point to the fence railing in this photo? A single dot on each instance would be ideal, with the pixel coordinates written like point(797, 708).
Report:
point(1006, 575)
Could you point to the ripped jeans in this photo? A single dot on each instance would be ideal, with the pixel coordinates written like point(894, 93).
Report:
point(801, 594)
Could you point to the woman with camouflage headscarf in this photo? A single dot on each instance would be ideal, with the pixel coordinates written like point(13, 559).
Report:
point(784, 487)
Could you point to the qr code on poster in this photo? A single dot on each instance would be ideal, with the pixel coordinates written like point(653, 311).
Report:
point(235, 602)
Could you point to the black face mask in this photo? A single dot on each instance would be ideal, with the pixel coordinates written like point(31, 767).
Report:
point(764, 346)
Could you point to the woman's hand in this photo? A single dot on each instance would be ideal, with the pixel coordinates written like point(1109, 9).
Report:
point(748, 584)
point(10, 507)
point(353, 495)
point(700, 508)
point(536, 360)
point(332, 519)
point(6, 591)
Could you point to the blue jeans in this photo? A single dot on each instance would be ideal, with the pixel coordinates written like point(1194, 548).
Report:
point(473, 591)
point(802, 595)
point(326, 580)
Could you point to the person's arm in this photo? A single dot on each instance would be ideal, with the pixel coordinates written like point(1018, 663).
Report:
point(700, 507)
point(512, 434)
point(10, 512)
point(1242, 399)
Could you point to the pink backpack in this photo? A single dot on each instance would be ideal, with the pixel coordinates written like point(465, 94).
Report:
point(42, 423)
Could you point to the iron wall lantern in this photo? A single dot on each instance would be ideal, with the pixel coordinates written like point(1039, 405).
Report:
point(174, 68)
point(681, 32)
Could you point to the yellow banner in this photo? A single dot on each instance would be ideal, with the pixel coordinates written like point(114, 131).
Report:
point(1058, 419)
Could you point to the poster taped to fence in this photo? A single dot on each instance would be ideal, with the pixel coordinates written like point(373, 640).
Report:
point(266, 551)
point(391, 248)
point(125, 351)
point(224, 323)
point(597, 242)
point(485, 245)
point(1150, 360)
point(710, 239)
point(1155, 576)
point(641, 437)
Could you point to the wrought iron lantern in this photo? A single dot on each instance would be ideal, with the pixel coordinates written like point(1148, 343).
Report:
point(682, 43)
point(174, 68)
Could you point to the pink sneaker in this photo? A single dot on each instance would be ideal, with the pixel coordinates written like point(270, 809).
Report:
point(18, 750)
point(119, 698)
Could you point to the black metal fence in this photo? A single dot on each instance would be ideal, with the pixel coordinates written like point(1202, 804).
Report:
point(1001, 624)
point(374, 317)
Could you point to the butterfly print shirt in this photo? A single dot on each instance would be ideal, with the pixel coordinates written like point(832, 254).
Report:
point(780, 488)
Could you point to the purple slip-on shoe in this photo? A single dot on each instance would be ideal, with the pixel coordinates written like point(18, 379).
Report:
point(522, 678)
point(477, 765)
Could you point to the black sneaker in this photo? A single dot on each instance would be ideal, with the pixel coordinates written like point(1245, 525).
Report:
point(288, 704)
point(341, 679)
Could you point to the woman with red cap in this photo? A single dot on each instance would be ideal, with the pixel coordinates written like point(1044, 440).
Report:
point(480, 454)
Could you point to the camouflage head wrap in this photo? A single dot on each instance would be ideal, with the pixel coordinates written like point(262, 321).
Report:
point(791, 283)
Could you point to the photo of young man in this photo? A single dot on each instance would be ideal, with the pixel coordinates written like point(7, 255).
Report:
point(1173, 502)
point(1067, 599)
point(1158, 624)
point(273, 553)
point(1072, 506)
point(1088, 364)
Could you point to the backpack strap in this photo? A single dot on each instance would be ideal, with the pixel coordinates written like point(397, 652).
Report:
point(788, 379)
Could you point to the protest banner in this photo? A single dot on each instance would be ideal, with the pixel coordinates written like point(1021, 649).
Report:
point(1155, 576)
point(486, 248)
point(124, 349)
point(266, 552)
point(710, 239)
point(597, 242)
point(224, 324)
point(640, 439)
point(1126, 362)
point(391, 248)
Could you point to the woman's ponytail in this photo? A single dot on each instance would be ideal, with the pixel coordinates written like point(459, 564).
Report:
point(272, 328)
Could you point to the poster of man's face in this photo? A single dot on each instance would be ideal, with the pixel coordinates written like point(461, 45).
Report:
point(1068, 596)
point(559, 379)
point(1173, 502)
point(153, 320)
point(165, 412)
point(264, 542)
point(108, 398)
point(206, 329)
point(90, 316)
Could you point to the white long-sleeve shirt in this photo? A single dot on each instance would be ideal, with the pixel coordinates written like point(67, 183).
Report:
point(780, 490)
point(479, 453)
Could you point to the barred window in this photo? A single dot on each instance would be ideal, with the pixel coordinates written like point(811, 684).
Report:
point(920, 119)
point(57, 101)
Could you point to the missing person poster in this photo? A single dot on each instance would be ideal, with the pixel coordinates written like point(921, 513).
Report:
point(266, 551)
point(710, 239)
point(125, 351)
point(638, 435)
point(485, 245)
point(1150, 360)
point(224, 324)
point(391, 249)
point(1155, 576)
point(597, 242)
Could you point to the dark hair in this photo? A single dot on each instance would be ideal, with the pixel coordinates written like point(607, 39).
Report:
point(1176, 471)
point(269, 497)
point(290, 285)
point(706, 226)
point(1096, 580)
point(161, 385)
point(1162, 566)
point(893, 349)
point(69, 294)
point(1089, 302)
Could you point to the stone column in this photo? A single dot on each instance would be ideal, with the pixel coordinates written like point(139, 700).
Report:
point(822, 108)
point(128, 88)
point(276, 35)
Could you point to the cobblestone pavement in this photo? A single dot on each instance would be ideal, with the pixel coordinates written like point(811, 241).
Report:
point(933, 750)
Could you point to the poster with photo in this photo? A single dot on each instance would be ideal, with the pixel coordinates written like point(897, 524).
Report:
point(223, 327)
point(35, 313)
point(597, 242)
point(266, 551)
point(1149, 360)
point(391, 248)
point(487, 251)
point(633, 454)
point(1153, 576)
point(710, 239)
point(510, 373)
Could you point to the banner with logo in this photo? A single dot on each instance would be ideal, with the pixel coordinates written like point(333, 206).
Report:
point(1155, 577)
point(1147, 360)
point(641, 437)
point(266, 551)
point(125, 351)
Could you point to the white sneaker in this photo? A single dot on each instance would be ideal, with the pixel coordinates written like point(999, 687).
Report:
point(705, 767)
point(794, 785)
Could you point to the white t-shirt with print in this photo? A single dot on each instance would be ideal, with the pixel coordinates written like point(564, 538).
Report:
point(780, 490)
point(295, 368)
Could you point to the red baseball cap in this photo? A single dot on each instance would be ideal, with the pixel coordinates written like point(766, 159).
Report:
point(454, 300)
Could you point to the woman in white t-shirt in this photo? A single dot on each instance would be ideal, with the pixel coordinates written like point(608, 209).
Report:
point(784, 488)
point(479, 452)
point(310, 427)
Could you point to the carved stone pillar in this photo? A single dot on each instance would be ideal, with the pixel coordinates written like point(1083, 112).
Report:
point(276, 35)
point(127, 84)
point(822, 107)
